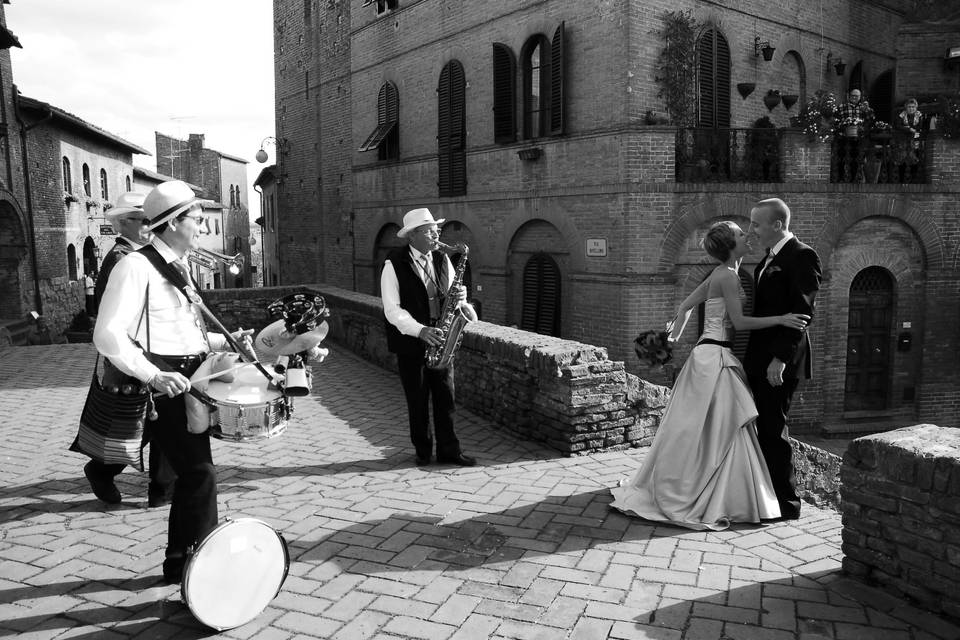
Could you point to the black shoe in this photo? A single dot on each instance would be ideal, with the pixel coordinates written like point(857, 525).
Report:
point(458, 459)
point(105, 490)
point(423, 461)
point(173, 570)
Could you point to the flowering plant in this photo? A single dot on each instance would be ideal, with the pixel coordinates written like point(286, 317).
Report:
point(653, 348)
point(949, 120)
point(816, 117)
point(69, 197)
point(879, 126)
point(850, 121)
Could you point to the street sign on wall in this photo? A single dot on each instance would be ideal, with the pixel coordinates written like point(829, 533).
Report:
point(107, 230)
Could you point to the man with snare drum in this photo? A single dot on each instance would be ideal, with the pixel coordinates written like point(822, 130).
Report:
point(150, 330)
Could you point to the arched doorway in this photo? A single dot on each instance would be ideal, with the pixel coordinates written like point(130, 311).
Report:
point(90, 257)
point(13, 248)
point(869, 327)
point(881, 96)
point(540, 310)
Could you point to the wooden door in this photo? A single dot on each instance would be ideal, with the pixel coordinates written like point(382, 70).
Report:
point(868, 340)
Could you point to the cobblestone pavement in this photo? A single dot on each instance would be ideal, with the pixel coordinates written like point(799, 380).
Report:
point(522, 546)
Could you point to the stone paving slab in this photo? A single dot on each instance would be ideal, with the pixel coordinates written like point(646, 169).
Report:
point(523, 546)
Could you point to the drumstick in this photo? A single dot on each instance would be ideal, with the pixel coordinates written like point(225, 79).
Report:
point(217, 374)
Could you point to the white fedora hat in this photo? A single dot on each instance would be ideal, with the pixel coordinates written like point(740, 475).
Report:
point(417, 218)
point(128, 205)
point(167, 201)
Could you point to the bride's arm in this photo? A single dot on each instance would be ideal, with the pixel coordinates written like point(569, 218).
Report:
point(676, 326)
point(730, 287)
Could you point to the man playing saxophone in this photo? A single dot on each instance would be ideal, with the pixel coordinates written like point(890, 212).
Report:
point(414, 281)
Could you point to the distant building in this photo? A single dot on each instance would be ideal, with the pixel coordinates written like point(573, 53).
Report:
point(267, 183)
point(223, 179)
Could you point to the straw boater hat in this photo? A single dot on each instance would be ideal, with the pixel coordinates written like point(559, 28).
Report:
point(167, 201)
point(128, 205)
point(417, 218)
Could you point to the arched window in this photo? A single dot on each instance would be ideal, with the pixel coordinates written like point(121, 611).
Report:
point(541, 296)
point(90, 264)
point(536, 87)
point(128, 183)
point(452, 131)
point(233, 202)
point(72, 262)
point(504, 94)
point(86, 179)
point(67, 176)
point(713, 79)
point(869, 336)
point(104, 189)
point(386, 136)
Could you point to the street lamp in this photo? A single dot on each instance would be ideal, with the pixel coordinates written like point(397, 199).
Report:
point(280, 145)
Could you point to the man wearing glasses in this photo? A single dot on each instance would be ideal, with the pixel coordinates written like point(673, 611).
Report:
point(412, 285)
point(153, 333)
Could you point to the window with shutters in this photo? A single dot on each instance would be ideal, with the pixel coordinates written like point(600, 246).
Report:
point(713, 79)
point(504, 94)
point(386, 136)
point(384, 6)
point(104, 188)
point(451, 131)
point(128, 183)
point(543, 85)
point(541, 296)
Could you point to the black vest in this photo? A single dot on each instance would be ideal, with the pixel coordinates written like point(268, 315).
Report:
point(413, 298)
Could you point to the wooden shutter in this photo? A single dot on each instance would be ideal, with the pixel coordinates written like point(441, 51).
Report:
point(504, 94)
point(451, 131)
point(713, 80)
point(540, 310)
point(706, 80)
point(557, 71)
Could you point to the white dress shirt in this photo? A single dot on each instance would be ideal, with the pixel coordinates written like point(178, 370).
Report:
point(176, 328)
point(774, 250)
point(390, 293)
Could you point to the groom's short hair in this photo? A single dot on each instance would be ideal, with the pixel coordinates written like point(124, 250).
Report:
point(778, 210)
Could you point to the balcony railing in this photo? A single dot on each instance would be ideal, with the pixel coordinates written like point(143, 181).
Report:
point(880, 158)
point(728, 155)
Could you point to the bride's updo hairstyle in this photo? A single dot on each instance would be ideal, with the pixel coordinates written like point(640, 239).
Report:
point(720, 241)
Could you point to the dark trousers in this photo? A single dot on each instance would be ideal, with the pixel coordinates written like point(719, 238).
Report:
point(162, 475)
point(773, 404)
point(421, 385)
point(193, 512)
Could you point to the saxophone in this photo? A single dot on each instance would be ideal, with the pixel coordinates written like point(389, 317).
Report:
point(454, 316)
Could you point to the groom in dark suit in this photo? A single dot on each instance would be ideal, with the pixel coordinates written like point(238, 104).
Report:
point(785, 281)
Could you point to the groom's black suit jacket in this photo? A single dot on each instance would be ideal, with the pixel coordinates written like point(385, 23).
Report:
point(789, 285)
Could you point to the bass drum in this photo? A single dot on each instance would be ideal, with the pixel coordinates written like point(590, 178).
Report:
point(234, 573)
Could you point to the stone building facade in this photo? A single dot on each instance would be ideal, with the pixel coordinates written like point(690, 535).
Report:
point(532, 129)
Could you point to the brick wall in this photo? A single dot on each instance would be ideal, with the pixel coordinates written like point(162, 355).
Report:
point(901, 514)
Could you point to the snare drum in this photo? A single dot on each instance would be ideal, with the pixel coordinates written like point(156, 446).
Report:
point(246, 409)
point(234, 573)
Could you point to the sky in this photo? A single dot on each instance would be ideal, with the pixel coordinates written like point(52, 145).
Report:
point(134, 67)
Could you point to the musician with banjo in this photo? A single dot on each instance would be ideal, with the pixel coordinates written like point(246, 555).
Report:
point(150, 330)
point(419, 287)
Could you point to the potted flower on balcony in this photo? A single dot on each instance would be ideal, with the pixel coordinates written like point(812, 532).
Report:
point(68, 198)
point(850, 126)
point(816, 117)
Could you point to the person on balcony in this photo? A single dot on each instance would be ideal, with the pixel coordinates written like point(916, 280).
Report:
point(908, 126)
point(853, 118)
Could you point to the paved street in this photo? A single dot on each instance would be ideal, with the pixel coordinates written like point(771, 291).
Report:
point(522, 546)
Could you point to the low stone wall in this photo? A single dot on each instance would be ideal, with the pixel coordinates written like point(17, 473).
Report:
point(566, 394)
point(901, 514)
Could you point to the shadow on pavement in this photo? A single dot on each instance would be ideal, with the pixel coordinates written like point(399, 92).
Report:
point(554, 525)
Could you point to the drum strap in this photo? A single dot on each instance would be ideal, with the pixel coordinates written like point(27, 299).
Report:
point(177, 279)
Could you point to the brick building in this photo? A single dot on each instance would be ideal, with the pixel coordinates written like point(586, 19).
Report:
point(223, 179)
point(533, 128)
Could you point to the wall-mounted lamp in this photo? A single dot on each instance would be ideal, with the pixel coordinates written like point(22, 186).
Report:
point(837, 63)
point(280, 145)
point(762, 47)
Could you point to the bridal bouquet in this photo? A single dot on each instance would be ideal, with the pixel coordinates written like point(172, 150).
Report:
point(653, 348)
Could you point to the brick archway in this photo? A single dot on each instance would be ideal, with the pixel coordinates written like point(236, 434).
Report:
point(535, 239)
point(691, 216)
point(13, 268)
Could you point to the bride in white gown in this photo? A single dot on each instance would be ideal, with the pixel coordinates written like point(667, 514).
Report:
point(704, 469)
